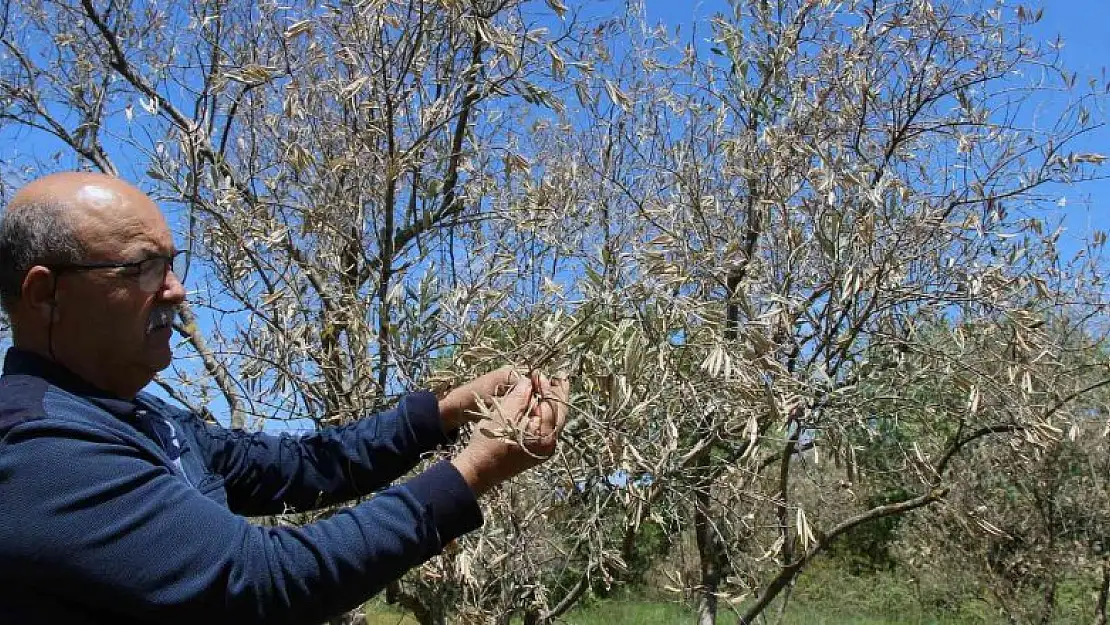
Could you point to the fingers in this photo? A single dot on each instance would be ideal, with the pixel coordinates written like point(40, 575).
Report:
point(522, 434)
point(548, 414)
point(496, 383)
point(501, 380)
point(560, 392)
point(531, 403)
point(515, 404)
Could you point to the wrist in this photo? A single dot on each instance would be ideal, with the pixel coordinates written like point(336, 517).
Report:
point(478, 480)
point(451, 414)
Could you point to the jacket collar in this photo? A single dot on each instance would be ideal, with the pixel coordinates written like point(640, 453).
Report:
point(22, 362)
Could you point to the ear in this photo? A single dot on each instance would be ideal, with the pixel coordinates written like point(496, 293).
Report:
point(39, 291)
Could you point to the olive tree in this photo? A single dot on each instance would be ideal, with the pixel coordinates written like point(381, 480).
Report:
point(756, 257)
point(835, 221)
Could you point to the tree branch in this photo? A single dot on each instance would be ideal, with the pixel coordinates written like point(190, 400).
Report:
point(215, 368)
point(789, 572)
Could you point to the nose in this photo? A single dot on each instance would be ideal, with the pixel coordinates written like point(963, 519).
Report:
point(173, 291)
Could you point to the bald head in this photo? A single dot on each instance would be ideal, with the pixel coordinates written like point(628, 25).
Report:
point(92, 204)
point(85, 277)
point(36, 229)
point(70, 189)
point(70, 217)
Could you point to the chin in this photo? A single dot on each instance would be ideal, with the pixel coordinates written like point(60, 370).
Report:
point(159, 357)
point(163, 361)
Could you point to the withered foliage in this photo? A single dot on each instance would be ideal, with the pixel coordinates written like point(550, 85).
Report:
point(799, 274)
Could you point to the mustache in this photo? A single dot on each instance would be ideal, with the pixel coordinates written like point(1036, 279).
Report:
point(161, 316)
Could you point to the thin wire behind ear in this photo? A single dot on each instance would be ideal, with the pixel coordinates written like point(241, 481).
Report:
point(50, 322)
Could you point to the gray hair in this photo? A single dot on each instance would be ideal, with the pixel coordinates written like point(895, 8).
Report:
point(38, 233)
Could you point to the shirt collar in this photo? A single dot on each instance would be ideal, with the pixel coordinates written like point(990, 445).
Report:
point(22, 362)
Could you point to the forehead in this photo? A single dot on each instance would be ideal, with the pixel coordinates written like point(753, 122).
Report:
point(115, 222)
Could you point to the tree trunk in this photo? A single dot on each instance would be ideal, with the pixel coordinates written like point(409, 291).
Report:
point(709, 559)
point(1100, 609)
point(423, 612)
point(1049, 602)
point(350, 618)
point(785, 602)
point(432, 617)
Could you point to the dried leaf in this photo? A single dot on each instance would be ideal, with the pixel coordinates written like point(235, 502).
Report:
point(296, 29)
point(617, 96)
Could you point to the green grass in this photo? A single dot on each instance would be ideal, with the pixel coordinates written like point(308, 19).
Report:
point(607, 613)
point(381, 614)
point(825, 595)
point(654, 613)
point(630, 613)
point(660, 613)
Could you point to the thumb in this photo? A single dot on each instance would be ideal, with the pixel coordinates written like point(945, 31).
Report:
point(517, 400)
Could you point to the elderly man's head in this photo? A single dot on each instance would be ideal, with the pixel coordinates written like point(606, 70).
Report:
point(84, 279)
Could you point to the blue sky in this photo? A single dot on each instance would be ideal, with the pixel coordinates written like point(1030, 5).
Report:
point(1081, 24)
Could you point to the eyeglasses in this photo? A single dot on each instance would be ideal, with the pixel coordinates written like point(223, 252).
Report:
point(150, 272)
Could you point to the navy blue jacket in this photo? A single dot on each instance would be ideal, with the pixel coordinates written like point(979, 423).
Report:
point(124, 512)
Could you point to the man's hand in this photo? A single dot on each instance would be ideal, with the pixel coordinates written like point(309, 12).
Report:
point(460, 405)
point(523, 433)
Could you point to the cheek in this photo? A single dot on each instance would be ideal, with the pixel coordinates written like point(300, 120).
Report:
point(108, 313)
point(129, 313)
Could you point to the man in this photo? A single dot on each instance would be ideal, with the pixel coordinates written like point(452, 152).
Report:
point(119, 508)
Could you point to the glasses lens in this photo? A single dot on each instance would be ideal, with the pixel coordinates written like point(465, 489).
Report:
point(152, 274)
point(152, 271)
point(181, 265)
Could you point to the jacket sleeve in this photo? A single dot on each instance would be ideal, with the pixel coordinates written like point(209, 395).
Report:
point(269, 474)
point(93, 517)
